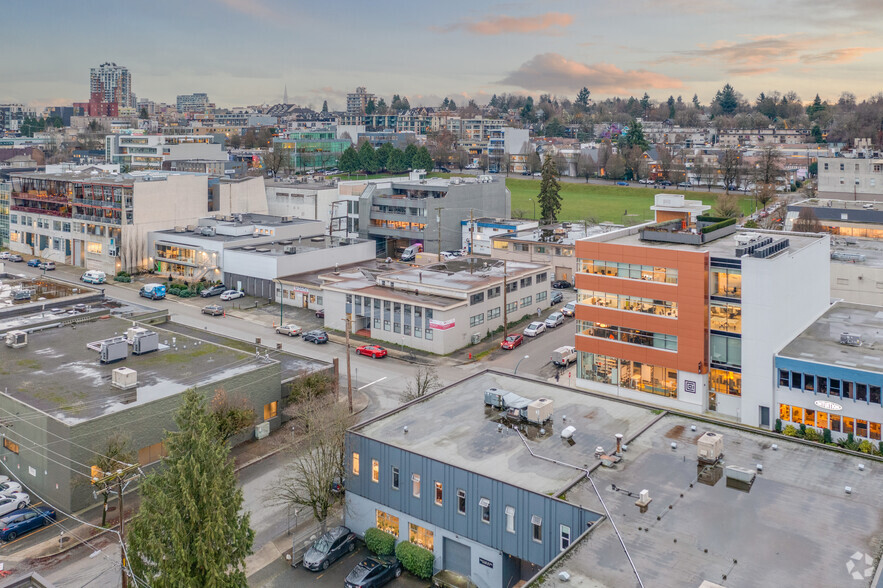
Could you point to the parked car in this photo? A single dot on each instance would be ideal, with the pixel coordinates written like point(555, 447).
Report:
point(556, 319)
point(12, 502)
point(556, 298)
point(561, 284)
point(94, 277)
point(537, 174)
point(34, 262)
point(569, 309)
point(534, 329)
point(512, 341)
point(621, 183)
point(329, 548)
point(47, 266)
point(4, 254)
point(665, 183)
point(374, 351)
point(19, 522)
point(684, 185)
point(232, 294)
point(15, 258)
point(320, 313)
point(316, 337)
point(213, 310)
point(213, 290)
point(373, 572)
point(525, 173)
point(563, 356)
point(7, 488)
point(338, 486)
point(291, 330)
point(443, 170)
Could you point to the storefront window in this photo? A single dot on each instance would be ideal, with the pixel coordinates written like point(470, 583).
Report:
point(726, 382)
point(420, 536)
point(835, 423)
point(822, 420)
point(796, 414)
point(875, 431)
point(848, 425)
point(628, 374)
point(387, 523)
point(785, 412)
point(861, 392)
point(626, 335)
point(809, 417)
point(861, 428)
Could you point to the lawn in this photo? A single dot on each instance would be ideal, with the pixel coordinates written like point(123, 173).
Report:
point(611, 203)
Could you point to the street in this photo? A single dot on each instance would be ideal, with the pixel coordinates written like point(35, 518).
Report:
point(380, 380)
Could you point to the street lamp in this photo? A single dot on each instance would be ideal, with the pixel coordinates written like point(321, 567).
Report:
point(519, 363)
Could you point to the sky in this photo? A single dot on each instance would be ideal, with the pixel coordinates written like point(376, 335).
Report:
point(245, 52)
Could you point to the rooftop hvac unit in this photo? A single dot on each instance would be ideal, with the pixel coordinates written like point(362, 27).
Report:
point(289, 249)
point(850, 339)
point(539, 411)
point(180, 229)
point(16, 339)
point(124, 378)
point(132, 332)
point(740, 474)
point(287, 219)
point(145, 343)
point(114, 350)
point(710, 448)
point(568, 431)
point(262, 430)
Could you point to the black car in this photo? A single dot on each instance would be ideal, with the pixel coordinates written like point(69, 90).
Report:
point(329, 548)
point(213, 291)
point(556, 298)
point(316, 337)
point(561, 284)
point(374, 571)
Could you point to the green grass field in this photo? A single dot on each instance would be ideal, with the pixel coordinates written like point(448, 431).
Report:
point(610, 203)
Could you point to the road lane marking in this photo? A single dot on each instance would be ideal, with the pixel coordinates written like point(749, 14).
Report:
point(372, 383)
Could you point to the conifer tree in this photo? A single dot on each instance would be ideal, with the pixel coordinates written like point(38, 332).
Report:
point(189, 530)
point(550, 199)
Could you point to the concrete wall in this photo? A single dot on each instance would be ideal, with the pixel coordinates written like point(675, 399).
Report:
point(301, 201)
point(271, 266)
point(240, 196)
point(857, 282)
point(781, 296)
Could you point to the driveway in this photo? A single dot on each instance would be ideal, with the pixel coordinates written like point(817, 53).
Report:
point(280, 574)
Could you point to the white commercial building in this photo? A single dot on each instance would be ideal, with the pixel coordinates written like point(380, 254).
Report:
point(137, 150)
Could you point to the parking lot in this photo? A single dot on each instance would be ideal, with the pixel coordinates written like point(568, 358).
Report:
point(281, 574)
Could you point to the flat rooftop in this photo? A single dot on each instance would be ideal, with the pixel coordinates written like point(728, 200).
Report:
point(723, 247)
point(304, 245)
point(836, 204)
point(795, 526)
point(368, 269)
point(455, 274)
point(820, 342)
point(57, 374)
point(861, 252)
point(470, 439)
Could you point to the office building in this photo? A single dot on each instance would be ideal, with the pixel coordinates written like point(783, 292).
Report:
point(137, 150)
point(855, 175)
point(311, 150)
point(357, 101)
point(196, 103)
point(687, 312)
point(478, 233)
point(439, 307)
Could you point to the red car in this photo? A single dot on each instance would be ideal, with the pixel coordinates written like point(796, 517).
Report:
point(512, 341)
point(372, 351)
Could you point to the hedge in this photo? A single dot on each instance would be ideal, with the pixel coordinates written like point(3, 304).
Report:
point(716, 226)
point(415, 559)
point(379, 542)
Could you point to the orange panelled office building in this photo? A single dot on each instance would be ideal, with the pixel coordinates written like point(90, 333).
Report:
point(666, 309)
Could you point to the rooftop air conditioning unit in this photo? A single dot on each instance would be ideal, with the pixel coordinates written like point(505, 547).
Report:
point(16, 339)
point(287, 219)
point(289, 249)
point(145, 343)
point(180, 229)
point(133, 332)
point(114, 349)
point(539, 411)
point(850, 339)
point(124, 378)
point(710, 448)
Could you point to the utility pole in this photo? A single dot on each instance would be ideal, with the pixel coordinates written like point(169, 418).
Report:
point(471, 237)
point(121, 477)
point(438, 212)
point(349, 382)
point(505, 311)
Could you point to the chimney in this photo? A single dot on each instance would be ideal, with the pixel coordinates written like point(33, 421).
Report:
point(618, 443)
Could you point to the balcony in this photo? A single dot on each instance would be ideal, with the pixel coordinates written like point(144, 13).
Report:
point(36, 196)
point(59, 213)
point(705, 230)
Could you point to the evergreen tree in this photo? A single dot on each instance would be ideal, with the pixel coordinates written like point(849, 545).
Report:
point(370, 107)
point(582, 98)
point(550, 199)
point(635, 137)
point(696, 102)
point(727, 99)
point(554, 128)
point(423, 160)
point(324, 107)
point(671, 106)
point(189, 530)
point(410, 154)
point(368, 158)
point(143, 114)
point(396, 163)
point(383, 153)
point(349, 160)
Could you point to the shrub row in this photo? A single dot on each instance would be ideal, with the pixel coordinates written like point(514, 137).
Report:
point(379, 542)
point(415, 559)
point(811, 434)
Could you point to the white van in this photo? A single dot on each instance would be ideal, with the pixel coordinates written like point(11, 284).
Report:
point(94, 277)
point(564, 356)
point(410, 253)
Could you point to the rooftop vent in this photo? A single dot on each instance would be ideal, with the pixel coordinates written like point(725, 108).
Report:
point(16, 339)
point(263, 249)
point(318, 239)
point(249, 248)
point(851, 339)
point(180, 229)
point(710, 448)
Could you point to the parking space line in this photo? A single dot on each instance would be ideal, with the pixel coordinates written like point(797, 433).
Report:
point(371, 383)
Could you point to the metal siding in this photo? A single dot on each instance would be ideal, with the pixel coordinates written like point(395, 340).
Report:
point(554, 512)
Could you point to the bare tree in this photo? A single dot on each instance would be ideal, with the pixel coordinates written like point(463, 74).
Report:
point(707, 173)
point(275, 159)
point(586, 166)
point(533, 162)
point(321, 424)
point(426, 380)
point(764, 194)
point(115, 453)
point(730, 164)
point(807, 221)
point(727, 206)
point(769, 165)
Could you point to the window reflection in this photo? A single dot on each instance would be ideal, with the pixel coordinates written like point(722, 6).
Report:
point(726, 317)
point(633, 375)
point(726, 282)
point(630, 303)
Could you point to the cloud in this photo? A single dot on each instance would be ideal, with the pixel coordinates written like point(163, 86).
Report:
point(838, 55)
point(258, 10)
point(550, 23)
point(551, 72)
point(767, 53)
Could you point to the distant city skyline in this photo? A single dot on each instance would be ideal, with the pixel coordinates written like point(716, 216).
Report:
point(245, 52)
